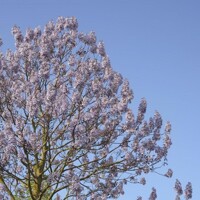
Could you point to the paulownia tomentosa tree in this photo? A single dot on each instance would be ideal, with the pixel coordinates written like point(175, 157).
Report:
point(66, 122)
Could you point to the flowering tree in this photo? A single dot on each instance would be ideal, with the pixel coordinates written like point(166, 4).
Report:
point(66, 124)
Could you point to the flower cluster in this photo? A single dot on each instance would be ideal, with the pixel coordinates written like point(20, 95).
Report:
point(179, 190)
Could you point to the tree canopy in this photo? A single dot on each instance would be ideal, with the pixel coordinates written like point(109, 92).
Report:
point(66, 122)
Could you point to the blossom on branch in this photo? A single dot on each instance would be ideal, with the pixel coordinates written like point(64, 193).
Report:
point(66, 122)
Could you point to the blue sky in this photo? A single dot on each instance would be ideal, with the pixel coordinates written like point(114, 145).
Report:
point(156, 46)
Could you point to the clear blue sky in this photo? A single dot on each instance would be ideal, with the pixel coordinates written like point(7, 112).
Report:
point(153, 43)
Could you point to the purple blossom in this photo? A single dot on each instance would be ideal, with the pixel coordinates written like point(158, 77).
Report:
point(188, 191)
point(143, 181)
point(153, 195)
point(178, 187)
point(169, 173)
point(142, 106)
point(168, 127)
point(158, 119)
point(101, 49)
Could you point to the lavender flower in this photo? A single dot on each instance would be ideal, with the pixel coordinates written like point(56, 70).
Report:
point(153, 195)
point(169, 173)
point(178, 187)
point(188, 191)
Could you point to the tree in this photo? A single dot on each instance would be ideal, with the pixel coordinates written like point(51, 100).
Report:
point(66, 124)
